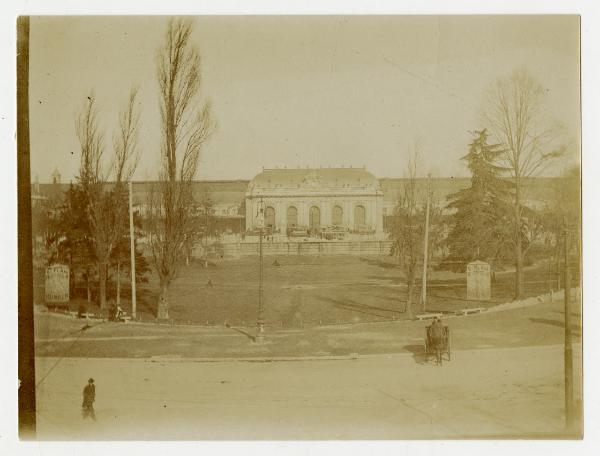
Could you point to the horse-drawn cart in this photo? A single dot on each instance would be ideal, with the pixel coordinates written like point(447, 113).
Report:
point(442, 348)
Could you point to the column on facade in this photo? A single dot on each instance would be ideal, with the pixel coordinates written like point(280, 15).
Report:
point(372, 214)
point(302, 213)
point(326, 212)
point(348, 214)
point(280, 215)
point(306, 211)
point(309, 204)
point(379, 200)
point(249, 212)
point(267, 202)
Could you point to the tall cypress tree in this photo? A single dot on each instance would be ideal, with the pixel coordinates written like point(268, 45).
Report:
point(481, 213)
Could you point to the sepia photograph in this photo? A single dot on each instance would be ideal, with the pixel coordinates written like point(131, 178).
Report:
point(300, 228)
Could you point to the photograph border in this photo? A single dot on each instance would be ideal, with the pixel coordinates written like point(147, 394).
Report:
point(590, 74)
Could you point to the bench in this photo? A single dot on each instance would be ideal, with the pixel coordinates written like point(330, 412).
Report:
point(429, 316)
point(83, 315)
point(470, 311)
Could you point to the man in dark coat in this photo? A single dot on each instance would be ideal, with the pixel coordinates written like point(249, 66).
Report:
point(436, 333)
point(112, 312)
point(89, 396)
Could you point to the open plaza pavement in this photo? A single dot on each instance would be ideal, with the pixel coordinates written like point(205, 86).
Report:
point(364, 381)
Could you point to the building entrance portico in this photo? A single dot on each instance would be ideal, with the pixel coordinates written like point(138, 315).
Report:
point(317, 199)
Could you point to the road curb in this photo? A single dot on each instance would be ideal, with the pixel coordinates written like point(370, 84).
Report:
point(259, 359)
point(265, 359)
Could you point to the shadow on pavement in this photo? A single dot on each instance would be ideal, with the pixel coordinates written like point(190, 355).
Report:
point(248, 335)
point(556, 323)
point(418, 353)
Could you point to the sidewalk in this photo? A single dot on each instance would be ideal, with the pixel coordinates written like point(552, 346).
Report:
point(527, 323)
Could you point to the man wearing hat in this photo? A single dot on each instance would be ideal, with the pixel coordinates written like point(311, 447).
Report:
point(89, 396)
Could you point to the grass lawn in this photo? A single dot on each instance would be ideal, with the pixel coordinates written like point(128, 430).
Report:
point(314, 306)
point(311, 290)
point(306, 291)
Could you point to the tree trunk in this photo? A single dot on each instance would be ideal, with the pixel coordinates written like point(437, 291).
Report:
point(400, 297)
point(558, 274)
point(72, 277)
point(206, 253)
point(102, 269)
point(410, 285)
point(87, 284)
point(118, 283)
point(163, 302)
point(518, 243)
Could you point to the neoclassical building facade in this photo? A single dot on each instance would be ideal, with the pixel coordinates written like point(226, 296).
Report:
point(315, 198)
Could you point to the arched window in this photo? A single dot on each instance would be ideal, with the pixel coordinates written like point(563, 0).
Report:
point(270, 217)
point(314, 218)
point(359, 216)
point(336, 215)
point(292, 216)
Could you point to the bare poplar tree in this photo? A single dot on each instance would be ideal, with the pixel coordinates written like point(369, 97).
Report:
point(515, 115)
point(186, 124)
point(104, 185)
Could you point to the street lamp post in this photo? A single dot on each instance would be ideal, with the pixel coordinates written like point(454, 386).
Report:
point(132, 252)
point(260, 223)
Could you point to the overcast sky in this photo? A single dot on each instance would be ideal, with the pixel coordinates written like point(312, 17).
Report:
point(301, 91)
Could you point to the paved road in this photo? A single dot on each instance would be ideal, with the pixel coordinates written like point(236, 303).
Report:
point(512, 392)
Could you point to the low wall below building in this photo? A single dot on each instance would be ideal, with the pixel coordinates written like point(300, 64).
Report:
point(239, 249)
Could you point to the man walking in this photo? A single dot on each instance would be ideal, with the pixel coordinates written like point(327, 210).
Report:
point(89, 396)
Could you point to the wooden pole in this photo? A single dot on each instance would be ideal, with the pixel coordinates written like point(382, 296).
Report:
point(206, 209)
point(132, 248)
point(26, 352)
point(568, 349)
point(260, 336)
point(118, 283)
point(425, 245)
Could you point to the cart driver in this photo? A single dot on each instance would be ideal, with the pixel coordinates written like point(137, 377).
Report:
point(437, 335)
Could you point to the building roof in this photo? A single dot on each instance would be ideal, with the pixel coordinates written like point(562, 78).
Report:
point(537, 190)
point(393, 187)
point(313, 178)
point(223, 192)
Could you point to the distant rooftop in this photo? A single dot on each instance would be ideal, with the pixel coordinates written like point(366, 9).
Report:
point(314, 177)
